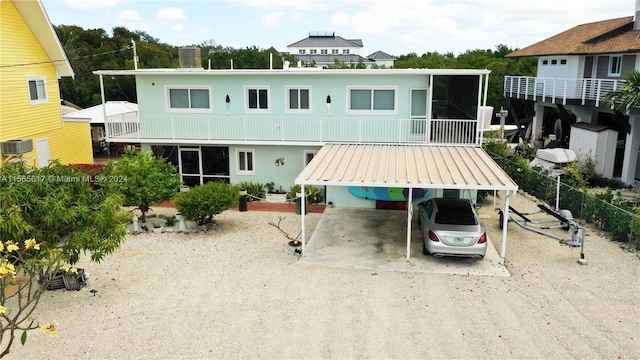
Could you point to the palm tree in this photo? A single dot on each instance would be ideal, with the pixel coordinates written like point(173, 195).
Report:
point(627, 96)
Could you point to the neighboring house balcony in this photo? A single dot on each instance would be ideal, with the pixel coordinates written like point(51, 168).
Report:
point(585, 91)
point(293, 131)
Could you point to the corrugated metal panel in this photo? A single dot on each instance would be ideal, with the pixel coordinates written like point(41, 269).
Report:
point(398, 165)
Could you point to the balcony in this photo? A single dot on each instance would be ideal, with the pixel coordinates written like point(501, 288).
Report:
point(294, 131)
point(586, 91)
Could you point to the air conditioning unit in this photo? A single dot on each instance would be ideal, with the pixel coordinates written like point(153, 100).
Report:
point(190, 58)
point(16, 147)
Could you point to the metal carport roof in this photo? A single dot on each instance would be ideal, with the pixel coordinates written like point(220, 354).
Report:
point(408, 166)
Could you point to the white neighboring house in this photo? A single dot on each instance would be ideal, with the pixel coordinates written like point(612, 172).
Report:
point(96, 116)
point(323, 48)
point(576, 68)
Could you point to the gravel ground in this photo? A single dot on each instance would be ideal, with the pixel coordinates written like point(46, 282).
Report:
point(235, 292)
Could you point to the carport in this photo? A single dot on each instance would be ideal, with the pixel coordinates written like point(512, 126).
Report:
point(411, 166)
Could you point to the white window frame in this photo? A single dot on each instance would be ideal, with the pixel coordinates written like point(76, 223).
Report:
point(554, 62)
point(335, 51)
point(307, 153)
point(167, 92)
point(246, 99)
point(324, 52)
point(302, 51)
point(246, 171)
point(615, 68)
point(345, 51)
point(287, 108)
point(313, 52)
point(372, 111)
point(42, 98)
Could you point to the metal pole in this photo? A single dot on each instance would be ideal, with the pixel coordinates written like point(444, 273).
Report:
point(135, 55)
point(409, 217)
point(505, 221)
point(303, 205)
point(558, 194)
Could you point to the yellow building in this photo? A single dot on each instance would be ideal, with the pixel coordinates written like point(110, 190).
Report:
point(32, 61)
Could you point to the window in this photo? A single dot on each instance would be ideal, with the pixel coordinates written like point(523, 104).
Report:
point(615, 65)
point(309, 155)
point(298, 99)
point(245, 162)
point(345, 51)
point(37, 90)
point(313, 51)
point(323, 52)
point(563, 61)
point(545, 62)
point(257, 99)
point(556, 62)
point(302, 51)
point(367, 100)
point(188, 99)
point(334, 51)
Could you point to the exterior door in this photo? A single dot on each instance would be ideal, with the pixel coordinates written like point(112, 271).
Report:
point(42, 145)
point(190, 169)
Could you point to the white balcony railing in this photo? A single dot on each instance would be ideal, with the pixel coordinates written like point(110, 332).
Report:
point(288, 130)
point(558, 89)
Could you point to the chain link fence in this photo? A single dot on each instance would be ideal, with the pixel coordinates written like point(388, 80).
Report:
point(611, 213)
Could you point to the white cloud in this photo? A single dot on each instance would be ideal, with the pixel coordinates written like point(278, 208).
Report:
point(128, 16)
point(177, 27)
point(204, 30)
point(93, 4)
point(272, 18)
point(169, 15)
point(284, 4)
point(459, 25)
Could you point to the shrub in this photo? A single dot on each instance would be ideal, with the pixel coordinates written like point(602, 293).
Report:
point(313, 194)
point(256, 190)
point(203, 202)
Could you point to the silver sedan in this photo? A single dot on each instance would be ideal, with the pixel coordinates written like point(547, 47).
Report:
point(451, 227)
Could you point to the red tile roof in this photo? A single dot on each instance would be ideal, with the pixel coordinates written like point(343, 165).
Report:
point(607, 36)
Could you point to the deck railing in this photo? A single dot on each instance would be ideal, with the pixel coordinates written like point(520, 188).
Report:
point(288, 130)
point(558, 89)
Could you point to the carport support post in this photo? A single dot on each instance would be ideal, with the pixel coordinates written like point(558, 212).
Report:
point(303, 208)
point(505, 221)
point(409, 217)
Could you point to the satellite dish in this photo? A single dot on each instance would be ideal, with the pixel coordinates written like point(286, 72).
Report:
point(557, 129)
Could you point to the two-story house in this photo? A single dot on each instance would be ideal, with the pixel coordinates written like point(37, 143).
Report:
point(323, 48)
point(411, 132)
point(575, 69)
point(32, 61)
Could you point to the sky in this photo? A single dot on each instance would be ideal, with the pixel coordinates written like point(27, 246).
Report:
point(397, 27)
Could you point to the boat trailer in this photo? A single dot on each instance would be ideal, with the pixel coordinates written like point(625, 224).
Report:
point(563, 220)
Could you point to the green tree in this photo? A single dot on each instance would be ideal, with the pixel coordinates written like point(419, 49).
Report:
point(627, 96)
point(143, 179)
point(48, 218)
point(203, 202)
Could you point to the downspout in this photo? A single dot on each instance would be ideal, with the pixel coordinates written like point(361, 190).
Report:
point(505, 221)
point(409, 217)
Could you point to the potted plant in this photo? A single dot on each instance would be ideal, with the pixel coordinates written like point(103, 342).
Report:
point(294, 243)
point(157, 228)
point(273, 195)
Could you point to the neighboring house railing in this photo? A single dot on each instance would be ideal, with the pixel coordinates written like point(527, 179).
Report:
point(288, 130)
point(558, 89)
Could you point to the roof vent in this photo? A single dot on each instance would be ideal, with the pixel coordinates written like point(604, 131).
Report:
point(190, 58)
point(16, 147)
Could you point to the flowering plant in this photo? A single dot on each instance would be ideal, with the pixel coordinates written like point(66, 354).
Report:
point(22, 265)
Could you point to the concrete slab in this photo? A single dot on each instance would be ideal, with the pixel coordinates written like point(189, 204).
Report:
point(377, 240)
